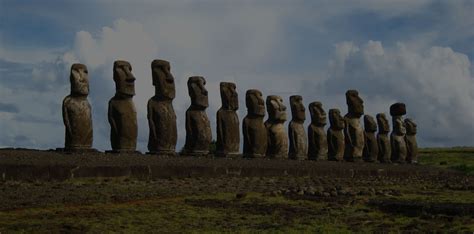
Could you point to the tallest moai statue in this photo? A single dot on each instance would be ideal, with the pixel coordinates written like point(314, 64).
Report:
point(77, 111)
point(161, 116)
point(296, 133)
point(354, 133)
point(122, 113)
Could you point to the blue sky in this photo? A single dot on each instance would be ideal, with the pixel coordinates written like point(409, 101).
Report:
point(414, 51)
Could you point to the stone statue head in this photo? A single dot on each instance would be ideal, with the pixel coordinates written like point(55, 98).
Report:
point(79, 79)
point(410, 126)
point(399, 127)
point(382, 122)
point(318, 115)
point(229, 96)
point(355, 104)
point(369, 124)
point(198, 92)
point(398, 109)
point(254, 102)
point(124, 79)
point(336, 120)
point(276, 109)
point(297, 108)
point(163, 80)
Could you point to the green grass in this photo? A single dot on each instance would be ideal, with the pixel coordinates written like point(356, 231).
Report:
point(256, 213)
point(457, 158)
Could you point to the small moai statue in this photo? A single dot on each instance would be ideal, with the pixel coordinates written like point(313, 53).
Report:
point(410, 138)
point(371, 148)
point(228, 136)
point(385, 149)
point(296, 131)
point(163, 133)
point(198, 127)
point(317, 140)
point(354, 133)
point(253, 128)
point(77, 111)
point(397, 137)
point(122, 114)
point(336, 142)
point(277, 138)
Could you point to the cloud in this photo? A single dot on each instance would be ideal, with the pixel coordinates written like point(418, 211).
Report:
point(7, 107)
point(435, 83)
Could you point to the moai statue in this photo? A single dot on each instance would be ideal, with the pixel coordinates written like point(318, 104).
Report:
point(336, 144)
point(385, 149)
point(228, 136)
point(277, 138)
point(161, 116)
point(354, 133)
point(317, 141)
point(198, 127)
point(397, 138)
point(296, 132)
point(253, 129)
point(371, 148)
point(410, 139)
point(77, 111)
point(122, 113)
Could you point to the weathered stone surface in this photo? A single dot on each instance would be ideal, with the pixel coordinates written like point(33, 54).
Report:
point(163, 133)
point(122, 113)
point(336, 142)
point(296, 132)
point(253, 128)
point(277, 137)
point(397, 137)
point(410, 138)
point(317, 140)
point(354, 133)
point(371, 148)
point(77, 111)
point(228, 136)
point(385, 149)
point(198, 127)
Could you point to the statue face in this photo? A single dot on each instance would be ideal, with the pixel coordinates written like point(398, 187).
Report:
point(355, 104)
point(370, 124)
point(229, 96)
point(382, 121)
point(399, 127)
point(297, 108)
point(318, 115)
point(198, 92)
point(336, 120)
point(410, 126)
point(276, 109)
point(79, 79)
point(163, 80)
point(254, 102)
point(124, 79)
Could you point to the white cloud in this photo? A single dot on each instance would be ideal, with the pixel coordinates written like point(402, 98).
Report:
point(435, 83)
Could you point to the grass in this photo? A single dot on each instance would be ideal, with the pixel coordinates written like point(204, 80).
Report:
point(456, 158)
point(255, 213)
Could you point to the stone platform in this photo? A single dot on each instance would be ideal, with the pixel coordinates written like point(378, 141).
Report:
point(22, 164)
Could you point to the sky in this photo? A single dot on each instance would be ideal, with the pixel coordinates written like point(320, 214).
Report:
point(418, 52)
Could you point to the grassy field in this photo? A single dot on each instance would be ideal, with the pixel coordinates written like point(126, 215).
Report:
point(457, 158)
point(118, 205)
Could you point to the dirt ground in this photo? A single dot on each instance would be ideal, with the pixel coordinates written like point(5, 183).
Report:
point(425, 199)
